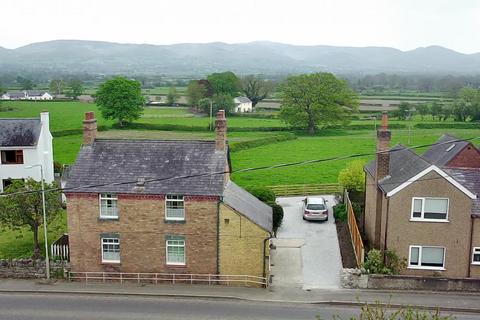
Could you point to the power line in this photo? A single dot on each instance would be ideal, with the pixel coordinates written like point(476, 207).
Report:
point(268, 167)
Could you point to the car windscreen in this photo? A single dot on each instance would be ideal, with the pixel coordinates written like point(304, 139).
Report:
point(316, 206)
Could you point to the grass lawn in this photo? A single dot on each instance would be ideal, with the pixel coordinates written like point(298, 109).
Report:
point(19, 243)
point(331, 144)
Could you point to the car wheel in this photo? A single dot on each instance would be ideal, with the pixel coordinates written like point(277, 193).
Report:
point(304, 218)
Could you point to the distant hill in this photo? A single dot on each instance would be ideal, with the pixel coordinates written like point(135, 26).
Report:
point(255, 57)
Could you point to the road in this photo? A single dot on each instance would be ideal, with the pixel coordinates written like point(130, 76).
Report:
point(307, 254)
point(85, 307)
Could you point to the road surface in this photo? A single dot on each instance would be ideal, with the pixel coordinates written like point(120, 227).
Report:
point(85, 307)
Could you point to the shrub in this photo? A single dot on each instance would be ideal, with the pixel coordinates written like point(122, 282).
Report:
point(340, 212)
point(263, 194)
point(353, 177)
point(375, 262)
point(277, 216)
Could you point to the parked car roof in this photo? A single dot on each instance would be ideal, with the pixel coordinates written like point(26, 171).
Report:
point(316, 200)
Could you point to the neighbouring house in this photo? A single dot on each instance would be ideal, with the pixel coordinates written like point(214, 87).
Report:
point(426, 207)
point(27, 95)
point(24, 143)
point(242, 104)
point(163, 206)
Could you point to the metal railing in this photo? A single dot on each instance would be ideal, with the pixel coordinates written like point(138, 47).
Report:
point(355, 235)
point(306, 189)
point(168, 278)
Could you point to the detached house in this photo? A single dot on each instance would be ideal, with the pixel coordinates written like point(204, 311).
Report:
point(426, 208)
point(25, 143)
point(160, 206)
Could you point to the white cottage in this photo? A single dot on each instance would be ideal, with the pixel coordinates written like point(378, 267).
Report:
point(27, 95)
point(24, 143)
point(243, 104)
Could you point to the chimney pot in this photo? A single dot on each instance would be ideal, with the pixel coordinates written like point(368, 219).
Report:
point(383, 149)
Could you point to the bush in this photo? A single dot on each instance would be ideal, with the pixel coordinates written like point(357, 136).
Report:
point(375, 262)
point(263, 194)
point(340, 212)
point(277, 216)
point(261, 142)
point(352, 177)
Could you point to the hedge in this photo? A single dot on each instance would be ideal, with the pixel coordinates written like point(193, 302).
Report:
point(261, 142)
point(70, 132)
point(448, 125)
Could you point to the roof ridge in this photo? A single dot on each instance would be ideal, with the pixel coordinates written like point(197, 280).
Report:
point(152, 140)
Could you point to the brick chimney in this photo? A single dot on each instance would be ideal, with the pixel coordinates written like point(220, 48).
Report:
point(383, 148)
point(89, 128)
point(221, 131)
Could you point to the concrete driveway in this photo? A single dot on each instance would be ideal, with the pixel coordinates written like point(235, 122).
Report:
point(307, 254)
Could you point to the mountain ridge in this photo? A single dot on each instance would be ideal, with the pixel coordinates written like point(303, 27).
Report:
point(251, 57)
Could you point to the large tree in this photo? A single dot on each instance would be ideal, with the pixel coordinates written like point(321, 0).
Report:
point(255, 88)
point(172, 96)
point(121, 99)
point(23, 208)
point(25, 84)
point(196, 91)
point(217, 102)
point(224, 83)
point(56, 86)
point(316, 100)
point(75, 88)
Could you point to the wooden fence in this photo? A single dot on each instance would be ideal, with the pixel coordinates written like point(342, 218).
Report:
point(306, 189)
point(59, 250)
point(354, 231)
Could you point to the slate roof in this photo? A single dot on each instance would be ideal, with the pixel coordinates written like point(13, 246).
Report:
point(249, 206)
point(112, 161)
point(242, 100)
point(444, 151)
point(19, 132)
point(470, 179)
point(19, 94)
point(404, 164)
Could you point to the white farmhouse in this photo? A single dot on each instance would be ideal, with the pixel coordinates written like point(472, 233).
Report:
point(243, 104)
point(24, 143)
point(27, 95)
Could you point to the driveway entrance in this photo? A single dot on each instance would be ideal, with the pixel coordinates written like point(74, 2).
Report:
point(307, 254)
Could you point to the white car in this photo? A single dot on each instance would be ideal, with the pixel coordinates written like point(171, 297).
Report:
point(315, 208)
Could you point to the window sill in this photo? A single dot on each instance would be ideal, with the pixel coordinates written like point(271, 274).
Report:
point(172, 265)
point(428, 220)
point(108, 219)
point(181, 221)
point(427, 268)
point(110, 262)
point(475, 263)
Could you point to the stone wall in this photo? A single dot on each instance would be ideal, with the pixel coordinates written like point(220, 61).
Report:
point(354, 279)
point(29, 268)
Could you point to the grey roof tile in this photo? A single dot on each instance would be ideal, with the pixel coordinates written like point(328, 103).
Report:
point(249, 206)
point(111, 161)
point(242, 100)
point(444, 151)
point(470, 179)
point(19, 132)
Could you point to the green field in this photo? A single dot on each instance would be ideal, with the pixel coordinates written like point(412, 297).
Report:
point(65, 116)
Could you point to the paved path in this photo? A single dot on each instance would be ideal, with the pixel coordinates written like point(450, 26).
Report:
point(307, 253)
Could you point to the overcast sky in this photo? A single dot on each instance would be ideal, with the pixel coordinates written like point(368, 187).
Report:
point(402, 24)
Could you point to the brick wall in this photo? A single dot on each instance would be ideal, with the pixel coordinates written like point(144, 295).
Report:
point(142, 230)
point(469, 157)
point(241, 245)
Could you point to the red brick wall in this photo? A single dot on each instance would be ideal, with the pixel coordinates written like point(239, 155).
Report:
point(469, 157)
point(142, 229)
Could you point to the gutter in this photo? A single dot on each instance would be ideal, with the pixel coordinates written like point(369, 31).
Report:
point(470, 250)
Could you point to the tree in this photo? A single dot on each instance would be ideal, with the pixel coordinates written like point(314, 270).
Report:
point(121, 99)
point(172, 96)
point(436, 110)
point(470, 98)
point(25, 209)
point(76, 88)
point(353, 177)
point(195, 92)
point(56, 86)
point(255, 88)
point(403, 111)
point(218, 102)
point(25, 84)
point(423, 110)
point(225, 83)
point(318, 99)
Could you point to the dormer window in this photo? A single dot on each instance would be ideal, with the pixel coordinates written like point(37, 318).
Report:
point(12, 156)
